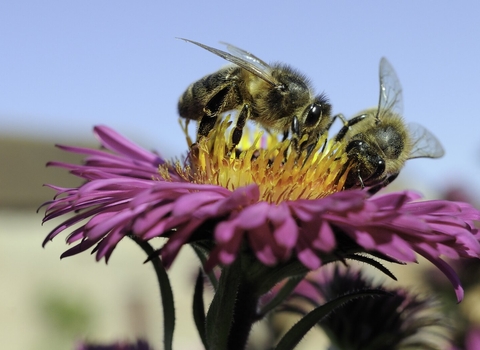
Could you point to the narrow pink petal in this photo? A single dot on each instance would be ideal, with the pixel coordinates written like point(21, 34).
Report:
point(263, 245)
point(286, 234)
point(165, 225)
point(278, 213)
point(253, 216)
point(226, 230)
point(394, 201)
point(397, 248)
point(177, 240)
point(189, 203)
point(308, 258)
point(111, 140)
point(100, 229)
point(326, 238)
point(150, 218)
point(79, 248)
point(107, 245)
point(447, 270)
point(224, 253)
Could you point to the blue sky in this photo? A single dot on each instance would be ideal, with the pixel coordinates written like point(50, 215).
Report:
point(66, 66)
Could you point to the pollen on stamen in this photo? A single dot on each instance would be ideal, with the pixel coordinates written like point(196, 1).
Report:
point(262, 158)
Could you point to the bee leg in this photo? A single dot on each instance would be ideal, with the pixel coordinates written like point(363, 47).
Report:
point(339, 116)
point(374, 189)
point(310, 144)
point(362, 185)
point(312, 140)
point(324, 145)
point(325, 129)
point(347, 124)
point(295, 134)
point(238, 131)
point(212, 110)
point(295, 127)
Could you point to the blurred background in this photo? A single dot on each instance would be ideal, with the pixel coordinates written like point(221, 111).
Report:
point(67, 66)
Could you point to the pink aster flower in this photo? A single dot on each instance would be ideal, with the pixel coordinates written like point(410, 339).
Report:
point(257, 200)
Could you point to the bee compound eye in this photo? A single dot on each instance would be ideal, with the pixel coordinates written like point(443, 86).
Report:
point(313, 115)
point(380, 168)
point(359, 145)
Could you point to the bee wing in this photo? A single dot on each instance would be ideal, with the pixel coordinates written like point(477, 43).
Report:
point(391, 99)
point(242, 59)
point(425, 144)
point(248, 56)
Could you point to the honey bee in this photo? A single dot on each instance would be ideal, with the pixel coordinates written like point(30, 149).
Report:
point(276, 96)
point(378, 142)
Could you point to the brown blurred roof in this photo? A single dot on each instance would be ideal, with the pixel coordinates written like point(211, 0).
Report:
point(23, 171)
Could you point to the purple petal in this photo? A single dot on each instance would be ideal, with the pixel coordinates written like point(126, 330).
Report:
point(308, 258)
point(447, 271)
point(110, 139)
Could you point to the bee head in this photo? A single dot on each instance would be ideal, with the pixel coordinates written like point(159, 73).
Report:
point(368, 166)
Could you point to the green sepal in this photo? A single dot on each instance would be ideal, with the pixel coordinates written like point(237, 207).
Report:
point(220, 314)
point(374, 263)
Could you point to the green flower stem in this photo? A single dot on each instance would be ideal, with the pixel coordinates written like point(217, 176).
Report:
point(247, 280)
point(245, 315)
point(253, 280)
point(166, 294)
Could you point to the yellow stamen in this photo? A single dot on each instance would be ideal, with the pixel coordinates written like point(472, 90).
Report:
point(262, 158)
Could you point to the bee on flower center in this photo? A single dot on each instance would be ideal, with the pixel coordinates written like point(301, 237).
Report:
point(378, 142)
point(276, 96)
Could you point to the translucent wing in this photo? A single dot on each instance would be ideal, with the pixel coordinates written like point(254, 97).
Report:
point(243, 59)
point(425, 144)
point(247, 56)
point(390, 100)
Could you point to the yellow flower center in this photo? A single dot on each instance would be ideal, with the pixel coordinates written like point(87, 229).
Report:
point(263, 159)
